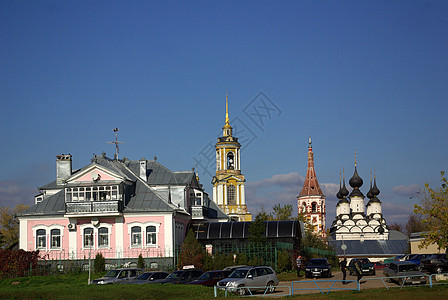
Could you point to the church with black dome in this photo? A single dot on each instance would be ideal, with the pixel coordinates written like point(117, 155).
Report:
point(355, 220)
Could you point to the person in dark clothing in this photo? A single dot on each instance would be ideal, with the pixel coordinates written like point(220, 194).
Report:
point(299, 265)
point(358, 270)
point(343, 265)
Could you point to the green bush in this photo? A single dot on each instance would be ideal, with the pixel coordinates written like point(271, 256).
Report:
point(284, 261)
point(99, 263)
point(140, 262)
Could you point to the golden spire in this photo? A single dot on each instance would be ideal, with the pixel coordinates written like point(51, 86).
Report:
point(227, 110)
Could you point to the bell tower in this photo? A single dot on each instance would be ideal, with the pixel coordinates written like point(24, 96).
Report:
point(228, 182)
point(311, 200)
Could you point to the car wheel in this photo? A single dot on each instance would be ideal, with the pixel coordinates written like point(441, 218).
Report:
point(241, 290)
point(438, 269)
point(270, 288)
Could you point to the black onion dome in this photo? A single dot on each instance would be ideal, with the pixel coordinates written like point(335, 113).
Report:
point(344, 191)
point(355, 181)
point(375, 190)
point(356, 193)
point(374, 200)
point(369, 193)
point(338, 195)
point(343, 200)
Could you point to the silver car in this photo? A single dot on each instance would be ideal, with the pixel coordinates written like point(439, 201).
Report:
point(250, 278)
point(118, 275)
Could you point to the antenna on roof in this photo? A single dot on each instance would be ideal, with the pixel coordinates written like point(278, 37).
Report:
point(116, 142)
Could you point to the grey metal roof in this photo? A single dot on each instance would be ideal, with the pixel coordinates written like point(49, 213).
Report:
point(54, 205)
point(143, 199)
point(371, 247)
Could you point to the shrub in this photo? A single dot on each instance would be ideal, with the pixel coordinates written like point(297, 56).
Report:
point(99, 263)
point(140, 262)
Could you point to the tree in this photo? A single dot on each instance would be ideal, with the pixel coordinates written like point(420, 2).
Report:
point(396, 226)
point(415, 224)
point(9, 225)
point(257, 230)
point(282, 213)
point(191, 252)
point(434, 213)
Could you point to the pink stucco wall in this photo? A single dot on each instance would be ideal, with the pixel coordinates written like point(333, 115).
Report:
point(111, 251)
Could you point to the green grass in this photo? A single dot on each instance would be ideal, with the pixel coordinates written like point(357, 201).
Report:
point(75, 287)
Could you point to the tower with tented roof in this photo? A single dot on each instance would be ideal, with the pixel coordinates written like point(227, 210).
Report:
point(311, 200)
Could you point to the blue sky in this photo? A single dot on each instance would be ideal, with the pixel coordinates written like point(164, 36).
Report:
point(364, 75)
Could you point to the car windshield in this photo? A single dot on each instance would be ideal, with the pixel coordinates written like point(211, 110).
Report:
point(112, 273)
point(206, 276)
point(365, 261)
point(239, 273)
point(144, 276)
point(407, 268)
point(317, 262)
point(176, 274)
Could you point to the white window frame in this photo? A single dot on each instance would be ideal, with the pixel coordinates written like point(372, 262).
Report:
point(143, 226)
point(96, 236)
point(48, 229)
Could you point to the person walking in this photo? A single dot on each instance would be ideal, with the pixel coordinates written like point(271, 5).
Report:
point(358, 270)
point(299, 265)
point(343, 265)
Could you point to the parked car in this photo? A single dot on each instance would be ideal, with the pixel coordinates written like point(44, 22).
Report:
point(416, 259)
point(436, 263)
point(211, 278)
point(118, 275)
point(408, 270)
point(367, 268)
point(233, 268)
point(379, 265)
point(253, 278)
point(148, 277)
point(182, 276)
point(318, 267)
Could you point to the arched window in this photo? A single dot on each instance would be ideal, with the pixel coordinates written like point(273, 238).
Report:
point(230, 161)
point(41, 239)
point(304, 207)
point(88, 237)
point(55, 238)
point(151, 235)
point(231, 199)
point(136, 236)
point(314, 207)
point(103, 237)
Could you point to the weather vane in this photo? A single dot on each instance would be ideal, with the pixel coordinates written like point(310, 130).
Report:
point(116, 142)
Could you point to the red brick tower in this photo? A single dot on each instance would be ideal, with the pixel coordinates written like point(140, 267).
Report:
point(311, 200)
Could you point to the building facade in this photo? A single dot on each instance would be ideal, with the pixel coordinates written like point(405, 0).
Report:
point(311, 200)
point(228, 182)
point(121, 208)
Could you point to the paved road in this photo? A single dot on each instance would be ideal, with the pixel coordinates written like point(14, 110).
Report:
point(313, 285)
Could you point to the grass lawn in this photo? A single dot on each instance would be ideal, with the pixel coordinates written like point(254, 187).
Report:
point(75, 287)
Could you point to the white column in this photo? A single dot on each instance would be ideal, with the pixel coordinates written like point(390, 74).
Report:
point(239, 159)
point(243, 195)
point(119, 236)
point(168, 221)
point(73, 243)
point(23, 235)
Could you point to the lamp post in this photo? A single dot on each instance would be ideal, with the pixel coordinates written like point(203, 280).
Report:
point(90, 252)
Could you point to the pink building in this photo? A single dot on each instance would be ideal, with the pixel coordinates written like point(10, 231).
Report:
point(121, 208)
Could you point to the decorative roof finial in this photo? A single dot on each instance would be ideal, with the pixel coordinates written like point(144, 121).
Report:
point(355, 159)
point(227, 110)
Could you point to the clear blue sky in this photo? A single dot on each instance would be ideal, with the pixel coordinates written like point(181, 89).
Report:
point(364, 75)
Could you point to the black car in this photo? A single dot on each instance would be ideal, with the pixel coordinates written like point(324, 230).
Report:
point(148, 277)
point(182, 276)
point(436, 263)
point(210, 278)
point(367, 268)
point(318, 267)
